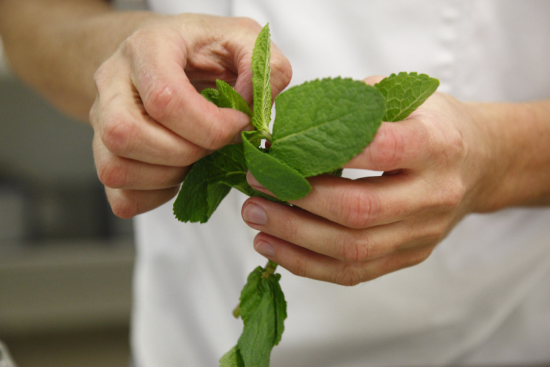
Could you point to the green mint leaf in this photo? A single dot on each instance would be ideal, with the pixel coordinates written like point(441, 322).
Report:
point(321, 125)
point(261, 83)
point(212, 95)
point(210, 180)
point(337, 173)
point(229, 98)
point(283, 181)
point(280, 306)
point(404, 93)
point(263, 310)
point(232, 358)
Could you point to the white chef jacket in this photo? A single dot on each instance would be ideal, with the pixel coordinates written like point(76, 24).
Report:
point(483, 297)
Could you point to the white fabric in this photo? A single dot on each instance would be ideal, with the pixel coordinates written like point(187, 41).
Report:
point(483, 295)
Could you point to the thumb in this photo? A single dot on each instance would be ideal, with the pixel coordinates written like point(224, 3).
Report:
point(373, 79)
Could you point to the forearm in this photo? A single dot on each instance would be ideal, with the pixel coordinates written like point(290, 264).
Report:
point(519, 137)
point(56, 45)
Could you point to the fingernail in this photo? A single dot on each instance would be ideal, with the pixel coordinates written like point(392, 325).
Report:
point(264, 249)
point(254, 214)
point(251, 180)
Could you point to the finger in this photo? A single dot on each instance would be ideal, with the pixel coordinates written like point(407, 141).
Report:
point(373, 79)
point(365, 202)
point(396, 145)
point(127, 131)
point(170, 98)
point(305, 263)
point(123, 173)
point(129, 203)
point(319, 235)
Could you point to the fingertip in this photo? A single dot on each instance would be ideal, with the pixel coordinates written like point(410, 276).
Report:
point(373, 79)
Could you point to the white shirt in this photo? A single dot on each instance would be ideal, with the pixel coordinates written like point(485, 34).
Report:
point(482, 296)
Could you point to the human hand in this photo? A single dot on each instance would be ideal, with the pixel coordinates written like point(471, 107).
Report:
point(150, 122)
point(351, 231)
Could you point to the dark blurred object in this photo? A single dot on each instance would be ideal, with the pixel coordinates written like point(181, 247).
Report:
point(48, 185)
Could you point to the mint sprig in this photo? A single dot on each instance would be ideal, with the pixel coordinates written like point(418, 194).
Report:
point(261, 82)
point(319, 126)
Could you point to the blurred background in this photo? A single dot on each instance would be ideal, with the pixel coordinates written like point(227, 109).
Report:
point(65, 260)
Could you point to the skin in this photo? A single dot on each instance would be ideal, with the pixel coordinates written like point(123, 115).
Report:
point(139, 75)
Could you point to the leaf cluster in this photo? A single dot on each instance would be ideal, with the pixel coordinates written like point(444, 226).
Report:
point(319, 126)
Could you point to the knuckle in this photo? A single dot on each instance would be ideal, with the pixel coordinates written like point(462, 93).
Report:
point(160, 101)
point(289, 227)
point(101, 75)
point(124, 208)
point(249, 23)
point(299, 268)
point(353, 249)
point(117, 134)
point(282, 69)
point(419, 256)
point(390, 149)
point(112, 173)
point(359, 208)
point(348, 276)
point(452, 195)
point(219, 135)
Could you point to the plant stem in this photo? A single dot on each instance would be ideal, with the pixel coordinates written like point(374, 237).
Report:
point(269, 269)
point(266, 134)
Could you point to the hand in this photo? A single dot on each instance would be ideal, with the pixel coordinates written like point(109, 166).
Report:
point(351, 231)
point(150, 122)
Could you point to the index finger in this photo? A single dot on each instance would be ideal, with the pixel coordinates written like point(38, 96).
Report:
point(169, 97)
point(396, 145)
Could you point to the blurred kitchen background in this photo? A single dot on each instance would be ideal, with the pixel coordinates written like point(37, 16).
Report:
point(65, 260)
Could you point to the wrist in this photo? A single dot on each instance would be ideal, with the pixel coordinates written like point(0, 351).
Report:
point(516, 168)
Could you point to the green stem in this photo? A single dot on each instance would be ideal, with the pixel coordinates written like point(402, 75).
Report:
point(269, 269)
point(266, 134)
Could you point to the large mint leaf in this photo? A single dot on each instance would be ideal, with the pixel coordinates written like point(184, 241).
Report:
point(263, 311)
point(232, 358)
point(229, 98)
point(283, 181)
point(404, 93)
point(321, 125)
point(261, 82)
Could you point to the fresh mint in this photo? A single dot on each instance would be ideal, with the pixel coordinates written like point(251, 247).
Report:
point(283, 181)
point(261, 82)
point(319, 126)
point(232, 358)
point(263, 310)
point(404, 93)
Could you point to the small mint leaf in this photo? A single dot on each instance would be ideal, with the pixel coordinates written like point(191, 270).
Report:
point(321, 125)
point(212, 95)
point(280, 306)
point(283, 181)
point(404, 93)
point(232, 358)
point(261, 82)
point(263, 311)
point(229, 98)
